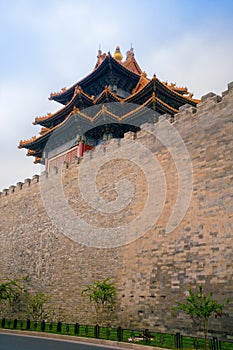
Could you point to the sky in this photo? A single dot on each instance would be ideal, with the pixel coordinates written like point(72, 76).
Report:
point(49, 44)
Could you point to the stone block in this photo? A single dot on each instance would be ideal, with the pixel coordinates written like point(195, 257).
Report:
point(207, 97)
point(27, 181)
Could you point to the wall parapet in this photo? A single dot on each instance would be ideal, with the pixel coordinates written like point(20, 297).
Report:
point(208, 101)
point(28, 182)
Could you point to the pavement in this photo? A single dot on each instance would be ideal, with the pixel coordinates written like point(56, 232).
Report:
point(23, 340)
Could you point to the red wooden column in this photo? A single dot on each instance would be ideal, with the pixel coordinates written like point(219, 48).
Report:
point(80, 149)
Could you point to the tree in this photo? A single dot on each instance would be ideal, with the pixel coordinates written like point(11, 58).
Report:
point(201, 307)
point(9, 292)
point(37, 306)
point(102, 295)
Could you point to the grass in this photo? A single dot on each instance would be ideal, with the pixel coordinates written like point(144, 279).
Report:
point(162, 340)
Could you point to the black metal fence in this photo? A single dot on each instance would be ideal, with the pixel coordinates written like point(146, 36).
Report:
point(146, 337)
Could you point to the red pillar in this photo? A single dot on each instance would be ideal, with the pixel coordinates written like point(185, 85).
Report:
point(80, 149)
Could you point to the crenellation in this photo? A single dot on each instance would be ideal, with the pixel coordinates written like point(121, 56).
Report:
point(54, 170)
point(48, 174)
point(208, 103)
point(78, 159)
point(19, 185)
point(35, 178)
point(164, 117)
point(227, 95)
point(149, 126)
point(230, 86)
point(66, 165)
point(115, 141)
point(185, 113)
point(130, 135)
point(187, 106)
point(215, 99)
point(68, 168)
point(27, 182)
point(208, 96)
point(12, 189)
point(100, 149)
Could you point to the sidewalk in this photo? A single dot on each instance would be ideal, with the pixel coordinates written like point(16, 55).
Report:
point(91, 341)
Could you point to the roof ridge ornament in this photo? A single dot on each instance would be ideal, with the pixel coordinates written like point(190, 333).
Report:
point(104, 109)
point(118, 55)
point(100, 58)
point(75, 110)
point(130, 53)
point(23, 142)
point(153, 97)
point(53, 94)
point(41, 118)
point(78, 90)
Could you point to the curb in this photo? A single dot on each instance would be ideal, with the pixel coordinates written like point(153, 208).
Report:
point(74, 339)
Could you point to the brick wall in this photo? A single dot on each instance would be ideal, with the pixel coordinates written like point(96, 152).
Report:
point(154, 271)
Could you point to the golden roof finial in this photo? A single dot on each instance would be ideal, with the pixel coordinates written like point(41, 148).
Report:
point(118, 55)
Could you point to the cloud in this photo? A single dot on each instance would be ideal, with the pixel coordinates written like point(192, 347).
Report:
point(202, 60)
point(20, 102)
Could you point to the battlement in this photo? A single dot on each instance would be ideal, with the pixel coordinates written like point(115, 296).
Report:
point(209, 102)
point(20, 186)
point(187, 114)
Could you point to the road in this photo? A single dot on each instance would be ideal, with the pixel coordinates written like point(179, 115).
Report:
point(19, 342)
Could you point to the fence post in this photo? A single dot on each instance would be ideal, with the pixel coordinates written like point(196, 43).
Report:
point(215, 344)
point(108, 333)
point(196, 343)
point(146, 335)
point(178, 341)
point(97, 331)
point(28, 324)
point(3, 322)
point(67, 328)
point(76, 329)
point(15, 323)
point(43, 325)
point(59, 324)
point(119, 333)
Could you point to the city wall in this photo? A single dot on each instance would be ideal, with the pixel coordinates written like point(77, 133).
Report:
point(156, 270)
